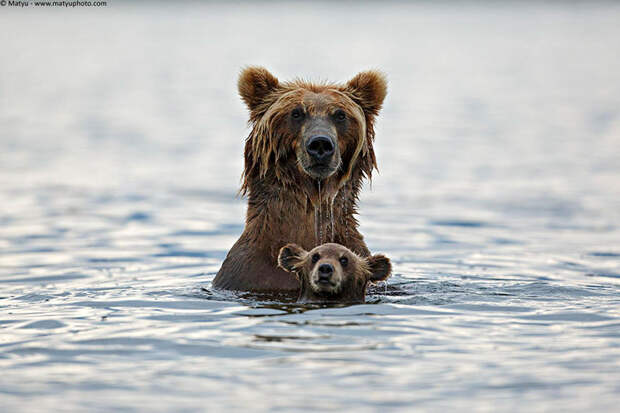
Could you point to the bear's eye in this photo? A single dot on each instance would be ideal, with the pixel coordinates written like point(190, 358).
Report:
point(297, 114)
point(340, 115)
point(315, 257)
point(344, 261)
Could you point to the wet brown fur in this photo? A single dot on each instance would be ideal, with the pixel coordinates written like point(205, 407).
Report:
point(282, 198)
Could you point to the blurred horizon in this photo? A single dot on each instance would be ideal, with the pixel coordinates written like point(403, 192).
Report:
point(497, 200)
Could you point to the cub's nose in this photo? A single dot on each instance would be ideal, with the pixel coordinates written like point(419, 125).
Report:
point(325, 272)
point(326, 269)
point(320, 148)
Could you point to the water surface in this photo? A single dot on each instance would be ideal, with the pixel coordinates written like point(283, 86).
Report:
point(498, 200)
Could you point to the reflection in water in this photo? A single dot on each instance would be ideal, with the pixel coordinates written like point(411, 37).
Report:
point(121, 140)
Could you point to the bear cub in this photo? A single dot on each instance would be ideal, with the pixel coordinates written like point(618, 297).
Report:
point(331, 273)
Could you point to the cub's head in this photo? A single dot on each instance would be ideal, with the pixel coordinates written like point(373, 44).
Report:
point(309, 130)
point(332, 273)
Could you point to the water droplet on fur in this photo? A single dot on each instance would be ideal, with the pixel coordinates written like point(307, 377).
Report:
point(331, 216)
point(316, 224)
point(318, 217)
point(344, 216)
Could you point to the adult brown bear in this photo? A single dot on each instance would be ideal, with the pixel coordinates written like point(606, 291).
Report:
point(310, 147)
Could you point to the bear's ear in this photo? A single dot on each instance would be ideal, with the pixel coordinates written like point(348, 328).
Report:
point(290, 257)
point(380, 268)
point(368, 89)
point(254, 84)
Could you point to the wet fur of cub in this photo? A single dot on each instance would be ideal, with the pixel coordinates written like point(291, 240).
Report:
point(331, 273)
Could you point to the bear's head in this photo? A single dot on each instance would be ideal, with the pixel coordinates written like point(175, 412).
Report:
point(312, 130)
point(333, 273)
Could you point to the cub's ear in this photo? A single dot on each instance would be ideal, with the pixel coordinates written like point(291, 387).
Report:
point(290, 257)
point(254, 84)
point(368, 89)
point(380, 268)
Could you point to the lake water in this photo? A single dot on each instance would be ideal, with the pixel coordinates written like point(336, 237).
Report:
point(498, 200)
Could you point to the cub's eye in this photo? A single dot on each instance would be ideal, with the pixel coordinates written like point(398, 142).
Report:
point(344, 261)
point(297, 114)
point(340, 115)
point(315, 257)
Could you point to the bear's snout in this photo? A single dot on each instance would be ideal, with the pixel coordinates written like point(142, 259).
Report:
point(319, 154)
point(320, 148)
point(325, 273)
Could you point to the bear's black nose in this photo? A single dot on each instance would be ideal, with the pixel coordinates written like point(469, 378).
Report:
point(320, 148)
point(326, 269)
point(325, 272)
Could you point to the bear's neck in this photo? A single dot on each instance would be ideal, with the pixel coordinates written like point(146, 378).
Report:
point(307, 213)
